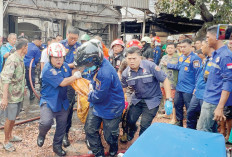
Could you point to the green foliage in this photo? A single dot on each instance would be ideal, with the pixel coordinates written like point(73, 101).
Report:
point(220, 9)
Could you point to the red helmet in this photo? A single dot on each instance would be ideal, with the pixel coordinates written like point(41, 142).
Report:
point(117, 42)
point(157, 39)
point(134, 42)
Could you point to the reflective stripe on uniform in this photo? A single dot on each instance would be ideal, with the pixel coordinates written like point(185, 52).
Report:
point(138, 77)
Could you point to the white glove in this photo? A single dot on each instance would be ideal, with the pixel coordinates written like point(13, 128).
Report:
point(90, 87)
point(77, 74)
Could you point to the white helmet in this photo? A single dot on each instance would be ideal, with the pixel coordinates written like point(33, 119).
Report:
point(170, 38)
point(146, 39)
point(56, 50)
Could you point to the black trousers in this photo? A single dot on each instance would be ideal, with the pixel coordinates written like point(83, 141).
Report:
point(110, 129)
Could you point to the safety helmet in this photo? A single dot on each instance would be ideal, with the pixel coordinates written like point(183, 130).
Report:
point(157, 39)
point(89, 54)
point(85, 37)
point(117, 42)
point(56, 50)
point(134, 42)
point(146, 39)
point(170, 38)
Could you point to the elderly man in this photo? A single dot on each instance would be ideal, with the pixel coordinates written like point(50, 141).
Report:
point(12, 83)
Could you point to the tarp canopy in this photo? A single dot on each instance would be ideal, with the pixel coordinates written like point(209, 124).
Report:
point(166, 140)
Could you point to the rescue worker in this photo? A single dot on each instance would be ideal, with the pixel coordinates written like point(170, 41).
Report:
point(147, 51)
point(84, 38)
point(157, 50)
point(106, 98)
point(70, 45)
point(129, 90)
point(33, 52)
point(188, 66)
point(219, 85)
point(118, 49)
point(6, 49)
point(144, 77)
point(194, 109)
point(56, 76)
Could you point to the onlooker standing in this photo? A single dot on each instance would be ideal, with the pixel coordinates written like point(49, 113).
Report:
point(5, 49)
point(198, 44)
point(219, 86)
point(59, 38)
point(170, 39)
point(172, 75)
point(12, 86)
point(33, 53)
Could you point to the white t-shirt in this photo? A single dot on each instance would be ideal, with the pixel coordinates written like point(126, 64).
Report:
point(44, 56)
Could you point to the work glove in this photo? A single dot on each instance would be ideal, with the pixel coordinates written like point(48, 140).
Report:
point(77, 74)
point(168, 107)
point(90, 87)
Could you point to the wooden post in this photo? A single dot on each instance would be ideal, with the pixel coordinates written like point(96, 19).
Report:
point(144, 23)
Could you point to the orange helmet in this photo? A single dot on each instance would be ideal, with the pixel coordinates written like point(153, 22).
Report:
point(134, 42)
point(117, 42)
point(157, 39)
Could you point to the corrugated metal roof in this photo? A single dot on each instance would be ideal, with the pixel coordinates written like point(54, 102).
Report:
point(141, 4)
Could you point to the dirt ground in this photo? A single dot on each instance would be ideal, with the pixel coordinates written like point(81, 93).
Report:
point(29, 132)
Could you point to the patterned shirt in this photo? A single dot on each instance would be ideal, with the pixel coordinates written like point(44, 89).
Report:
point(171, 73)
point(13, 74)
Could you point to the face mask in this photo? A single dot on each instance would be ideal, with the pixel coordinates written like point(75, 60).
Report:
point(92, 68)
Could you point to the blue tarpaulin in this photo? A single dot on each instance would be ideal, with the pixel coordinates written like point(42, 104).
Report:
point(166, 140)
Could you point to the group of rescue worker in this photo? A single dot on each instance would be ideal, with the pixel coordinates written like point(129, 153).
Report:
point(135, 73)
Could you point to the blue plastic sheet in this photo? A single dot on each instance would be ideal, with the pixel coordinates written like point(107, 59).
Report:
point(166, 140)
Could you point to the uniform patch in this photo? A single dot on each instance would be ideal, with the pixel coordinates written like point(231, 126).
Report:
point(187, 60)
point(209, 64)
point(157, 52)
point(217, 59)
point(196, 64)
point(186, 68)
point(181, 59)
point(54, 72)
point(67, 50)
point(229, 66)
point(74, 52)
point(206, 72)
point(157, 68)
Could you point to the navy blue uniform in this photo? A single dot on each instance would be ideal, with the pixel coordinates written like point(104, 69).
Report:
point(53, 101)
point(106, 104)
point(220, 78)
point(194, 109)
point(188, 67)
point(147, 94)
point(69, 58)
point(157, 55)
point(32, 52)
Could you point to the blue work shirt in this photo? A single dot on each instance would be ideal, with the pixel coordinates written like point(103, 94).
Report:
point(107, 99)
point(188, 67)
point(145, 82)
point(201, 81)
point(33, 51)
point(220, 76)
point(54, 95)
point(157, 54)
point(4, 49)
point(70, 51)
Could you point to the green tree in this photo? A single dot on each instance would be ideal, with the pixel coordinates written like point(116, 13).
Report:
point(211, 11)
